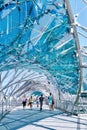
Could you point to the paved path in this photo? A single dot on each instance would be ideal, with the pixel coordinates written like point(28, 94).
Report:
point(35, 119)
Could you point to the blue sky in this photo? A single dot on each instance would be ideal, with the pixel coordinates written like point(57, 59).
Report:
point(79, 7)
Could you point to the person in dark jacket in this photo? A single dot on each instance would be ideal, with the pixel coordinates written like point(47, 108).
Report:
point(41, 101)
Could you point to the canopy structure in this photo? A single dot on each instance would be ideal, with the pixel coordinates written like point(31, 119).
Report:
point(39, 49)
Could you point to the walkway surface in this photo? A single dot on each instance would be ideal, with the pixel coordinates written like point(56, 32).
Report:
point(35, 119)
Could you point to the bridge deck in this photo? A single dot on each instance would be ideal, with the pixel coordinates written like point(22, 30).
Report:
point(34, 119)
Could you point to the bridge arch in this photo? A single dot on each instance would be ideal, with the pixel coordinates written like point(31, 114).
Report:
point(39, 51)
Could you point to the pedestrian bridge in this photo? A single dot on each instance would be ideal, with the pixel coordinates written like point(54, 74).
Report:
point(40, 53)
point(20, 119)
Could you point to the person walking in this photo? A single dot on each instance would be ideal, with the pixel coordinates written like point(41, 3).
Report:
point(41, 101)
point(24, 101)
point(53, 103)
point(37, 101)
point(31, 102)
point(50, 101)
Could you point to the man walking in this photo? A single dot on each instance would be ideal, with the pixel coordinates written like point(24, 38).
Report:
point(41, 101)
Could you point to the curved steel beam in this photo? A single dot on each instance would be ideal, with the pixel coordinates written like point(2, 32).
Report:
point(77, 46)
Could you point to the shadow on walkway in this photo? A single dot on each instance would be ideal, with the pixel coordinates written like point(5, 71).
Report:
point(27, 119)
point(20, 118)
